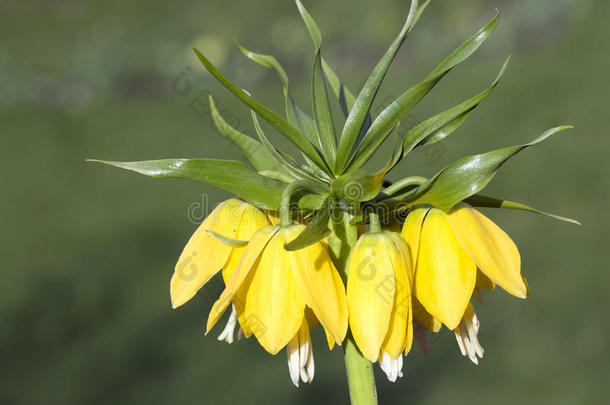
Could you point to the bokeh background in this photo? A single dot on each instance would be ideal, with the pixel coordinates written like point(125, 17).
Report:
point(88, 250)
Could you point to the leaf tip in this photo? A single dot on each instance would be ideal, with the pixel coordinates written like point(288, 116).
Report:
point(104, 162)
point(241, 48)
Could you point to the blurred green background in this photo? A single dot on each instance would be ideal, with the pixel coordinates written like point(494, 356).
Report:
point(88, 250)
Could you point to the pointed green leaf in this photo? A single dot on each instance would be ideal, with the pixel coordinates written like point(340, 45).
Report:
point(272, 117)
point(311, 25)
point(323, 119)
point(392, 114)
point(229, 175)
point(441, 125)
point(358, 185)
point(364, 101)
point(267, 61)
point(287, 162)
point(478, 200)
point(295, 115)
point(316, 230)
point(344, 95)
point(325, 129)
point(272, 174)
point(254, 151)
point(469, 175)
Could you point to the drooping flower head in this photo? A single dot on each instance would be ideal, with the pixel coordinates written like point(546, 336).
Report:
point(455, 254)
point(379, 299)
point(275, 286)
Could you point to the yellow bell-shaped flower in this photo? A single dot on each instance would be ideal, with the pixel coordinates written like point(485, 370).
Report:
point(204, 255)
point(447, 250)
point(379, 298)
point(275, 286)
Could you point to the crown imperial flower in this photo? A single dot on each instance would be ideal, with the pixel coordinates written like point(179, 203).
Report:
point(293, 246)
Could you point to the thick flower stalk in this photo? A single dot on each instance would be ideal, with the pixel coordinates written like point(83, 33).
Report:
point(320, 239)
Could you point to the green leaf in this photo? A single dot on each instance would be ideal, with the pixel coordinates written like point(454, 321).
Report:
point(363, 103)
point(392, 114)
point(358, 185)
point(311, 25)
point(323, 121)
point(272, 117)
point(478, 200)
point(227, 241)
point(344, 95)
point(296, 117)
point(316, 230)
point(321, 111)
point(443, 124)
point(272, 174)
point(287, 162)
point(469, 175)
point(255, 152)
point(229, 175)
point(294, 114)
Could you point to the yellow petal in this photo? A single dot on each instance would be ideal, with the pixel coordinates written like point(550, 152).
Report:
point(490, 247)
point(274, 305)
point(312, 322)
point(411, 231)
point(248, 260)
point(251, 221)
point(422, 317)
point(370, 295)
point(203, 256)
point(404, 251)
point(445, 274)
point(400, 319)
point(319, 284)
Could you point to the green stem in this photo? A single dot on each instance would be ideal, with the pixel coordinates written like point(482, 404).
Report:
point(400, 184)
point(360, 378)
point(374, 222)
point(288, 194)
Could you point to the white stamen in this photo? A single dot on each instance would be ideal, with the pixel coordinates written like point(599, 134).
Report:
point(458, 337)
point(467, 339)
point(391, 367)
point(300, 359)
point(229, 330)
point(293, 360)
